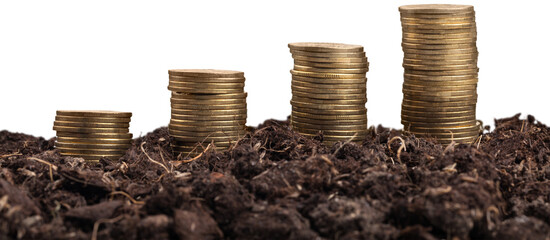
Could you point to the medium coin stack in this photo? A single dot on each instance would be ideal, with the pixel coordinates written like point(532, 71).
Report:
point(441, 73)
point(92, 134)
point(207, 106)
point(329, 91)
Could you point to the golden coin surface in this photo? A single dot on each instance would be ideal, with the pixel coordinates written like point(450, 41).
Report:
point(304, 84)
point(439, 36)
point(438, 109)
point(331, 65)
point(329, 112)
point(92, 157)
point(108, 135)
point(441, 51)
point(89, 130)
point(192, 117)
point(441, 80)
point(410, 123)
point(466, 128)
point(93, 113)
point(318, 127)
point(330, 60)
point(438, 46)
point(439, 41)
point(327, 106)
point(91, 146)
point(437, 114)
point(191, 96)
point(331, 132)
point(440, 99)
point(429, 21)
point(91, 151)
point(91, 124)
point(329, 96)
point(421, 87)
point(431, 57)
point(439, 62)
point(443, 72)
point(206, 80)
point(439, 104)
point(446, 135)
point(92, 119)
point(208, 102)
point(437, 16)
point(324, 47)
point(454, 93)
point(440, 68)
point(435, 8)
point(412, 27)
point(329, 55)
point(213, 133)
point(77, 140)
point(212, 73)
point(436, 119)
point(329, 101)
point(207, 107)
point(329, 122)
point(208, 112)
point(205, 90)
point(206, 122)
point(330, 70)
point(313, 90)
point(330, 81)
point(207, 85)
point(329, 117)
point(192, 128)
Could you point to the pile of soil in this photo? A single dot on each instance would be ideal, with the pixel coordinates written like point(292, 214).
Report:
point(277, 184)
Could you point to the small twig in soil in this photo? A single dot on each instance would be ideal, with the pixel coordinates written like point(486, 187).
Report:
point(343, 144)
point(52, 167)
point(198, 156)
point(133, 200)
point(11, 155)
point(152, 160)
point(400, 149)
point(100, 221)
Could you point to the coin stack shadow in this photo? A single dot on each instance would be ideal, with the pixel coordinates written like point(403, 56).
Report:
point(329, 87)
point(441, 73)
point(207, 106)
point(92, 135)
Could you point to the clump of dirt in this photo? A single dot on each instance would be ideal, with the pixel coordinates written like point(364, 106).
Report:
point(276, 184)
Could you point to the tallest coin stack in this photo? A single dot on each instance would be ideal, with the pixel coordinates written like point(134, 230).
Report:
point(441, 73)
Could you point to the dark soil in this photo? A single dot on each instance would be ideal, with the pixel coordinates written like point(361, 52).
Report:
point(276, 184)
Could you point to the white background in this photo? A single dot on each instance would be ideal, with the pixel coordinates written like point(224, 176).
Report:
point(114, 55)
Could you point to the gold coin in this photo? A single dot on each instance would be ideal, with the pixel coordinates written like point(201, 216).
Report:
point(449, 84)
point(180, 127)
point(331, 132)
point(415, 87)
point(417, 29)
point(448, 140)
point(330, 81)
point(437, 114)
point(438, 46)
point(213, 133)
point(331, 65)
point(205, 90)
point(325, 47)
point(408, 124)
point(420, 103)
point(108, 135)
point(91, 151)
point(206, 80)
point(92, 119)
point(439, 68)
point(454, 93)
point(327, 106)
point(333, 101)
point(437, 16)
point(439, 62)
point(464, 56)
point(93, 113)
point(328, 55)
point(320, 127)
point(312, 90)
point(208, 112)
point(436, 9)
point(207, 85)
point(77, 140)
point(439, 41)
point(329, 122)
point(438, 109)
point(208, 102)
point(207, 107)
point(91, 124)
point(192, 117)
point(59, 144)
point(192, 96)
point(206, 73)
point(441, 51)
point(429, 21)
point(334, 116)
point(443, 72)
point(436, 119)
point(330, 60)
point(329, 112)
point(446, 135)
point(207, 122)
point(330, 70)
point(92, 157)
point(439, 36)
point(298, 83)
point(440, 99)
point(428, 78)
point(456, 26)
point(329, 96)
point(89, 130)
point(447, 132)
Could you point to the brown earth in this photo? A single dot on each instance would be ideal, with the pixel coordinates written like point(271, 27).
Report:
point(276, 184)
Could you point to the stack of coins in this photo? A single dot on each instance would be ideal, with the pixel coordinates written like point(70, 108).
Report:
point(92, 135)
point(441, 73)
point(329, 87)
point(207, 106)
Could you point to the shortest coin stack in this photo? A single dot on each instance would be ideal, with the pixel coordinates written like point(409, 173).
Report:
point(207, 106)
point(92, 135)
